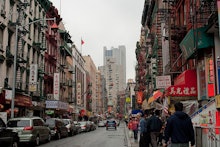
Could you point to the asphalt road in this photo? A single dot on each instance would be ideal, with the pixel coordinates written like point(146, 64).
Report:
point(98, 138)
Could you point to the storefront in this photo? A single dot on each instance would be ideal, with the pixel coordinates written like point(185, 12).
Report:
point(22, 104)
point(38, 108)
point(184, 90)
point(57, 109)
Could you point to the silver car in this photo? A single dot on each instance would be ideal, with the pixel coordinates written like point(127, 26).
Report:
point(30, 129)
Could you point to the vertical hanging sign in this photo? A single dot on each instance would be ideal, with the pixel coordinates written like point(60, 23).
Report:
point(56, 86)
point(218, 71)
point(218, 7)
point(33, 78)
point(78, 94)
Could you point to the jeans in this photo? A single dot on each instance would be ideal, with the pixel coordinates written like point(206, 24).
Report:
point(135, 134)
point(144, 140)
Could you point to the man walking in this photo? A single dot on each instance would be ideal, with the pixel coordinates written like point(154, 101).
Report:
point(179, 128)
point(155, 125)
point(144, 134)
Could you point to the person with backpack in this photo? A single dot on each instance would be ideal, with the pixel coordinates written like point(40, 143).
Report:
point(155, 126)
point(144, 134)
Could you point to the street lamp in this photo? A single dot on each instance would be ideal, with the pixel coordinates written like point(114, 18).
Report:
point(54, 26)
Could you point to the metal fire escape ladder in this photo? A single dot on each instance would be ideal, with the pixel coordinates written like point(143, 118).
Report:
point(21, 7)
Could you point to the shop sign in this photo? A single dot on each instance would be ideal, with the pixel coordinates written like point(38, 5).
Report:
point(33, 78)
point(56, 86)
point(8, 94)
point(49, 112)
point(128, 99)
point(182, 91)
point(57, 105)
point(163, 82)
point(79, 93)
point(139, 97)
point(217, 101)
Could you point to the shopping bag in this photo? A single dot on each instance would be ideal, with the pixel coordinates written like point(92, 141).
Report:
point(130, 133)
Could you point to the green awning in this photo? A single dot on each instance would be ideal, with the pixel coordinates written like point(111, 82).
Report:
point(204, 40)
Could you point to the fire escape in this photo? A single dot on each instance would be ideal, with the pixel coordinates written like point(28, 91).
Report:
point(21, 86)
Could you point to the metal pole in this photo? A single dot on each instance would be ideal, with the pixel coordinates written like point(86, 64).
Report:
point(14, 72)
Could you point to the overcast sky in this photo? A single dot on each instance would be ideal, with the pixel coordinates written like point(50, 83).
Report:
point(102, 23)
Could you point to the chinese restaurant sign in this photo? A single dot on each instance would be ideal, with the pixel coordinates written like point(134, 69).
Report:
point(182, 90)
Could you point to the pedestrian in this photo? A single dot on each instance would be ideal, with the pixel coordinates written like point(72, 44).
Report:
point(144, 134)
point(179, 129)
point(155, 126)
point(135, 128)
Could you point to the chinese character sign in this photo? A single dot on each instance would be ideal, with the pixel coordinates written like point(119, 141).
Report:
point(33, 73)
point(78, 94)
point(56, 86)
point(181, 90)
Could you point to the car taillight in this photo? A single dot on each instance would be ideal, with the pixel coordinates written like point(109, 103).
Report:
point(28, 128)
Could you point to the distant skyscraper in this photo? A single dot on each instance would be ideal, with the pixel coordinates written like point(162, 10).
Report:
point(114, 71)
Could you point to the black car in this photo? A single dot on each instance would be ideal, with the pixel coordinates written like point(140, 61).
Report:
point(57, 127)
point(111, 124)
point(8, 138)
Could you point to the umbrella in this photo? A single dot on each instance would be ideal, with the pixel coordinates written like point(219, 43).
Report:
point(155, 96)
point(136, 111)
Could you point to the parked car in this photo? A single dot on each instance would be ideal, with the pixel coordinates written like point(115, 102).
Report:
point(78, 127)
point(8, 138)
point(57, 127)
point(101, 123)
point(84, 126)
point(30, 129)
point(89, 125)
point(72, 130)
point(111, 124)
point(93, 127)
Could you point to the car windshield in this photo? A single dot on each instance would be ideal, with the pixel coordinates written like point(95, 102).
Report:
point(82, 123)
point(111, 121)
point(18, 123)
point(50, 122)
point(66, 122)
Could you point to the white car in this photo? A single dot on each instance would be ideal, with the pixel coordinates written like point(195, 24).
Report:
point(101, 124)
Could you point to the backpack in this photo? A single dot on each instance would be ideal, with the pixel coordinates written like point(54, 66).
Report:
point(155, 124)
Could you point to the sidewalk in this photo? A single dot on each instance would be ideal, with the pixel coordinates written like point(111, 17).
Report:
point(129, 141)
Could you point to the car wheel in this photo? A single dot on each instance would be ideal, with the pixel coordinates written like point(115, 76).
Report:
point(14, 144)
point(58, 135)
point(72, 133)
point(49, 138)
point(37, 141)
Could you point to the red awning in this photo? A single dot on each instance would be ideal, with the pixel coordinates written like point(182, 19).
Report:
point(185, 85)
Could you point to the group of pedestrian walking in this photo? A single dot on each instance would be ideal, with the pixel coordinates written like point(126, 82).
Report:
point(176, 131)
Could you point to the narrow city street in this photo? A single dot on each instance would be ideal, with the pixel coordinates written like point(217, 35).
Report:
point(98, 138)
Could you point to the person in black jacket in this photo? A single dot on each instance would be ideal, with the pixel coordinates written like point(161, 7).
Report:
point(179, 128)
point(155, 125)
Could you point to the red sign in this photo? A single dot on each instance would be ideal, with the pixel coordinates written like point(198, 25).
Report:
point(139, 97)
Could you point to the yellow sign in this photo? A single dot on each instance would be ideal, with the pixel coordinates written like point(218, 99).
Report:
point(32, 87)
point(217, 101)
point(128, 99)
